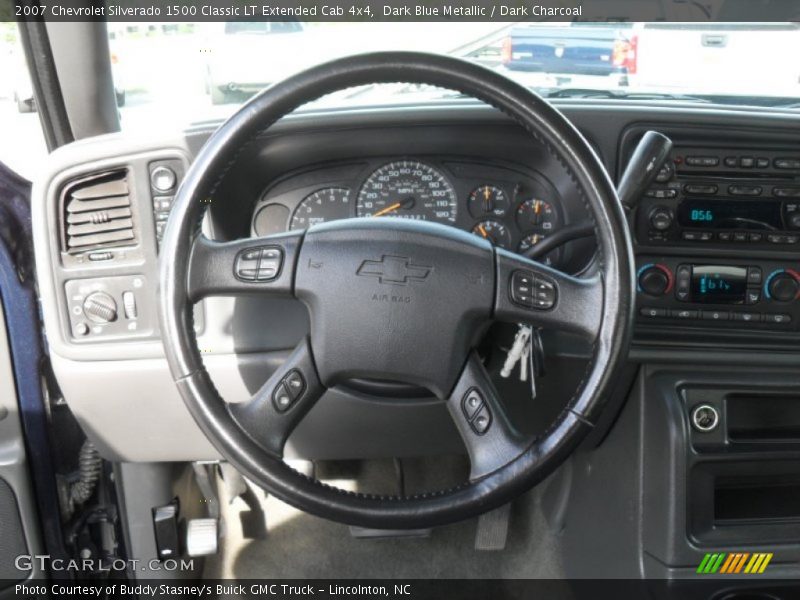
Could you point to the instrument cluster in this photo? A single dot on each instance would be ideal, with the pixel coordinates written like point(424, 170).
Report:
point(512, 207)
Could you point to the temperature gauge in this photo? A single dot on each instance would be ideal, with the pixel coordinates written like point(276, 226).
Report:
point(487, 200)
point(530, 240)
point(536, 214)
point(495, 232)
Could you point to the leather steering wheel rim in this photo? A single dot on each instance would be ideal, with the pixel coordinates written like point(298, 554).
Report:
point(608, 308)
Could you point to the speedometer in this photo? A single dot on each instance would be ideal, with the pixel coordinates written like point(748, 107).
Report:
point(408, 190)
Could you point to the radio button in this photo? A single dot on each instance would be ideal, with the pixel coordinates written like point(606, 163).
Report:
point(744, 190)
point(747, 162)
point(787, 163)
point(755, 237)
point(786, 192)
point(762, 163)
point(739, 236)
point(725, 236)
point(705, 190)
point(730, 161)
point(716, 315)
point(794, 220)
point(661, 218)
point(702, 161)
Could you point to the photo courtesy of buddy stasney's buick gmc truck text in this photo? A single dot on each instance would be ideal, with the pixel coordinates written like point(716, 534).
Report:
point(433, 303)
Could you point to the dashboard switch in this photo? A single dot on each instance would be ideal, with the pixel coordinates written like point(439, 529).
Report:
point(782, 286)
point(163, 179)
point(259, 264)
point(655, 280)
point(476, 411)
point(288, 391)
point(129, 305)
point(282, 399)
point(100, 307)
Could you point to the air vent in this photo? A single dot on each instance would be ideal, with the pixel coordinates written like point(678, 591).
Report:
point(97, 213)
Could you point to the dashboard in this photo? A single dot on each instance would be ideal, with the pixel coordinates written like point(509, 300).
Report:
point(511, 206)
point(716, 243)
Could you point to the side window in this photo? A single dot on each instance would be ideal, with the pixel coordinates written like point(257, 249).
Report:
point(22, 143)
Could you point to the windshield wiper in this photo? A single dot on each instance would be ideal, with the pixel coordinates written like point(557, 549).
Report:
point(590, 93)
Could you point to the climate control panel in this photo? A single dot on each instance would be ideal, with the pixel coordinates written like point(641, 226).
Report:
point(719, 292)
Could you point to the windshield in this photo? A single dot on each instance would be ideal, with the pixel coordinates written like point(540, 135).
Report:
point(192, 72)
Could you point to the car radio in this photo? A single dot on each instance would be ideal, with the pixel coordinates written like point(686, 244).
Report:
point(722, 197)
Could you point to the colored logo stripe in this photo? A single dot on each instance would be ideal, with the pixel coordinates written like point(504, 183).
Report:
point(735, 562)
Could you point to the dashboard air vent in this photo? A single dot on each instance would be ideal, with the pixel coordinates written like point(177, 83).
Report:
point(97, 212)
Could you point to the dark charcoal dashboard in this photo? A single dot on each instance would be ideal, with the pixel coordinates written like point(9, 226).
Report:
point(716, 244)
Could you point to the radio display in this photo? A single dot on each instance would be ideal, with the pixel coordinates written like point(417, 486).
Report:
point(730, 214)
point(719, 284)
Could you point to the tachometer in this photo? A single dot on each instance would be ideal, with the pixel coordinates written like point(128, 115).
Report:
point(328, 204)
point(408, 190)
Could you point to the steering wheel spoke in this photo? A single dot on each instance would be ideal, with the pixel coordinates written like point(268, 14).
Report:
point(270, 416)
point(529, 292)
point(491, 440)
point(248, 266)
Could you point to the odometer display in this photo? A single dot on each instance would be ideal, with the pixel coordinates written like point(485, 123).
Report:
point(408, 190)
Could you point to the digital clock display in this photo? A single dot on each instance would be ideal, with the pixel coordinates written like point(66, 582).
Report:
point(720, 284)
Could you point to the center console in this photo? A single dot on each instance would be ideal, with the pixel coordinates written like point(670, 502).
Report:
point(717, 236)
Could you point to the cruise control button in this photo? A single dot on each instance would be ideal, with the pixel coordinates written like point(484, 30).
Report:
point(471, 403)
point(295, 384)
point(281, 398)
point(481, 422)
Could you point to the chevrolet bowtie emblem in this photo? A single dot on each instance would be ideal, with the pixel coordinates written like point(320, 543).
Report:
point(398, 270)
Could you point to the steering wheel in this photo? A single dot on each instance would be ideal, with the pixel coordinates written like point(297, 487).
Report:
point(396, 300)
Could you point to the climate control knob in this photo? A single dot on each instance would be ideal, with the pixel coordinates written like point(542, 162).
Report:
point(655, 280)
point(100, 307)
point(783, 286)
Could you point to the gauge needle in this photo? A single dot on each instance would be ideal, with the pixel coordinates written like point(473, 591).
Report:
point(388, 209)
point(483, 231)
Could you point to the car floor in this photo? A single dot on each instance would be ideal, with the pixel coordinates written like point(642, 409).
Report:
point(298, 545)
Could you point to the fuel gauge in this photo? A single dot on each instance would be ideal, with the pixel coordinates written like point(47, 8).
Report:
point(494, 231)
point(487, 200)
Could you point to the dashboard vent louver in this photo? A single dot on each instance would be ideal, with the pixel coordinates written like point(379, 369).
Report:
point(97, 212)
